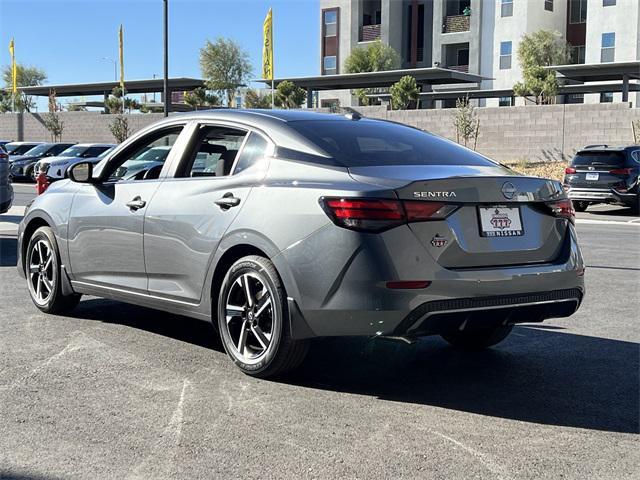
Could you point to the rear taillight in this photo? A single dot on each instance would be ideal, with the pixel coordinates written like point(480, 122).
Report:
point(563, 209)
point(569, 170)
point(621, 171)
point(376, 215)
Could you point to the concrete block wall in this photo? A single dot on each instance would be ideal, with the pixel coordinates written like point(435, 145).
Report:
point(533, 133)
point(78, 126)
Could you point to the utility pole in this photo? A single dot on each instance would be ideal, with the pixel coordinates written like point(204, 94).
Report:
point(167, 98)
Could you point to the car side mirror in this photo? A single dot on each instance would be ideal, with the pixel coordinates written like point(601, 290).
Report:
point(81, 172)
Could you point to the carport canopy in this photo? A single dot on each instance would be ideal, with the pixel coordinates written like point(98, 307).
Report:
point(600, 72)
point(100, 88)
point(347, 81)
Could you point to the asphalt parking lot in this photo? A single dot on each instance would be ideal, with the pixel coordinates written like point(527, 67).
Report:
point(117, 391)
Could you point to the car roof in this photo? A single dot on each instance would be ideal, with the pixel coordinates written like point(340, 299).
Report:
point(607, 148)
point(94, 145)
point(25, 143)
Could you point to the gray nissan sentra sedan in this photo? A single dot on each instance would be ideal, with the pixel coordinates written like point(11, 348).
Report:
point(281, 226)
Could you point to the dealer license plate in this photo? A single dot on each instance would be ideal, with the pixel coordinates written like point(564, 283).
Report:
point(499, 221)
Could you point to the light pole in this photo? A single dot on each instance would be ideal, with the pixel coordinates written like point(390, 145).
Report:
point(166, 57)
point(115, 67)
point(154, 92)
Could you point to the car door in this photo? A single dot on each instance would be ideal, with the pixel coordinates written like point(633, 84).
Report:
point(192, 210)
point(106, 221)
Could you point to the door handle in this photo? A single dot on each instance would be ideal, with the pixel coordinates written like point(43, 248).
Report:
point(227, 201)
point(136, 204)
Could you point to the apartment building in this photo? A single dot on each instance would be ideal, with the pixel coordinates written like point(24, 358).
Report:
point(477, 36)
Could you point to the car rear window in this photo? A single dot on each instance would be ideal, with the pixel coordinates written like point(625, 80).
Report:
point(607, 159)
point(365, 143)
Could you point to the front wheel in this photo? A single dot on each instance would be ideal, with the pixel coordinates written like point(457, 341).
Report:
point(253, 319)
point(42, 269)
point(478, 339)
point(580, 206)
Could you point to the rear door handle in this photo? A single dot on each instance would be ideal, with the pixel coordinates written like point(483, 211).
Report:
point(227, 201)
point(136, 204)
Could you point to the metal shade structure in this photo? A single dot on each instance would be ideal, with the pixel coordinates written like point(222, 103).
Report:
point(600, 72)
point(347, 81)
point(508, 92)
point(100, 88)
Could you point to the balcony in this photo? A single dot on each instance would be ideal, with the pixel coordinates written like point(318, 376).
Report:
point(369, 33)
point(456, 23)
point(459, 68)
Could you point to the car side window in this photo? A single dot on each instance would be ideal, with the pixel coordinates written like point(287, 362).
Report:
point(255, 148)
point(144, 161)
point(214, 152)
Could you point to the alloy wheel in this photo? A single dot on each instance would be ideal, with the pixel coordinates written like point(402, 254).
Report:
point(41, 271)
point(250, 318)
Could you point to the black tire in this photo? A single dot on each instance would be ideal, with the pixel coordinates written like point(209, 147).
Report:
point(636, 208)
point(255, 334)
point(580, 206)
point(478, 339)
point(29, 173)
point(42, 269)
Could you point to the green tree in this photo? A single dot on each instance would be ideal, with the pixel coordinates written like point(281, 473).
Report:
point(200, 98)
point(74, 107)
point(536, 51)
point(375, 57)
point(403, 92)
point(119, 128)
point(253, 99)
point(288, 95)
point(52, 121)
point(26, 77)
point(466, 122)
point(225, 66)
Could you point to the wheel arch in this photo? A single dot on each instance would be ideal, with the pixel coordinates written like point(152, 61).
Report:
point(34, 223)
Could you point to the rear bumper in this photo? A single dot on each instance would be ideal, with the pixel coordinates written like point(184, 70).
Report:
point(357, 302)
point(601, 196)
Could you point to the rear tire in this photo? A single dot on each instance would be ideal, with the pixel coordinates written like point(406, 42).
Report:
point(580, 206)
point(253, 320)
point(478, 339)
point(44, 275)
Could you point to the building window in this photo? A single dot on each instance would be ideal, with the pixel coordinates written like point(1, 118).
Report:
point(575, 98)
point(505, 102)
point(330, 23)
point(608, 3)
point(577, 11)
point(606, 97)
point(608, 52)
point(505, 55)
point(548, 5)
point(329, 64)
point(577, 54)
point(506, 9)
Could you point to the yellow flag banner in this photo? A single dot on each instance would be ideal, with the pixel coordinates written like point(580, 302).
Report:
point(14, 71)
point(267, 49)
point(121, 41)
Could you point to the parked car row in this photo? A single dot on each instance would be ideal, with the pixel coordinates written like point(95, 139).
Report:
point(27, 159)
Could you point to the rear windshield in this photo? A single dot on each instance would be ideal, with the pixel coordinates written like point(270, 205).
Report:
point(607, 159)
point(369, 143)
point(19, 149)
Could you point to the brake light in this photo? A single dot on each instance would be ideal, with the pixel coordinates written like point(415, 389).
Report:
point(376, 215)
point(621, 171)
point(563, 209)
point(569, 170)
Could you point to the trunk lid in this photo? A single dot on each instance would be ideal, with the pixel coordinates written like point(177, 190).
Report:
point(502, 218)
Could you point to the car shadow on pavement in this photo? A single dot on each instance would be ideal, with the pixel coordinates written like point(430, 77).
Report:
point(8, 251)
point(184, 329)
point(537, 375)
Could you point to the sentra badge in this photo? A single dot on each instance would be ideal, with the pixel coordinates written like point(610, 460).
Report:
point(434, 194)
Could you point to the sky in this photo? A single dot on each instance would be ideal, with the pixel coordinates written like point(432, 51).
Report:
point(68, 39)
